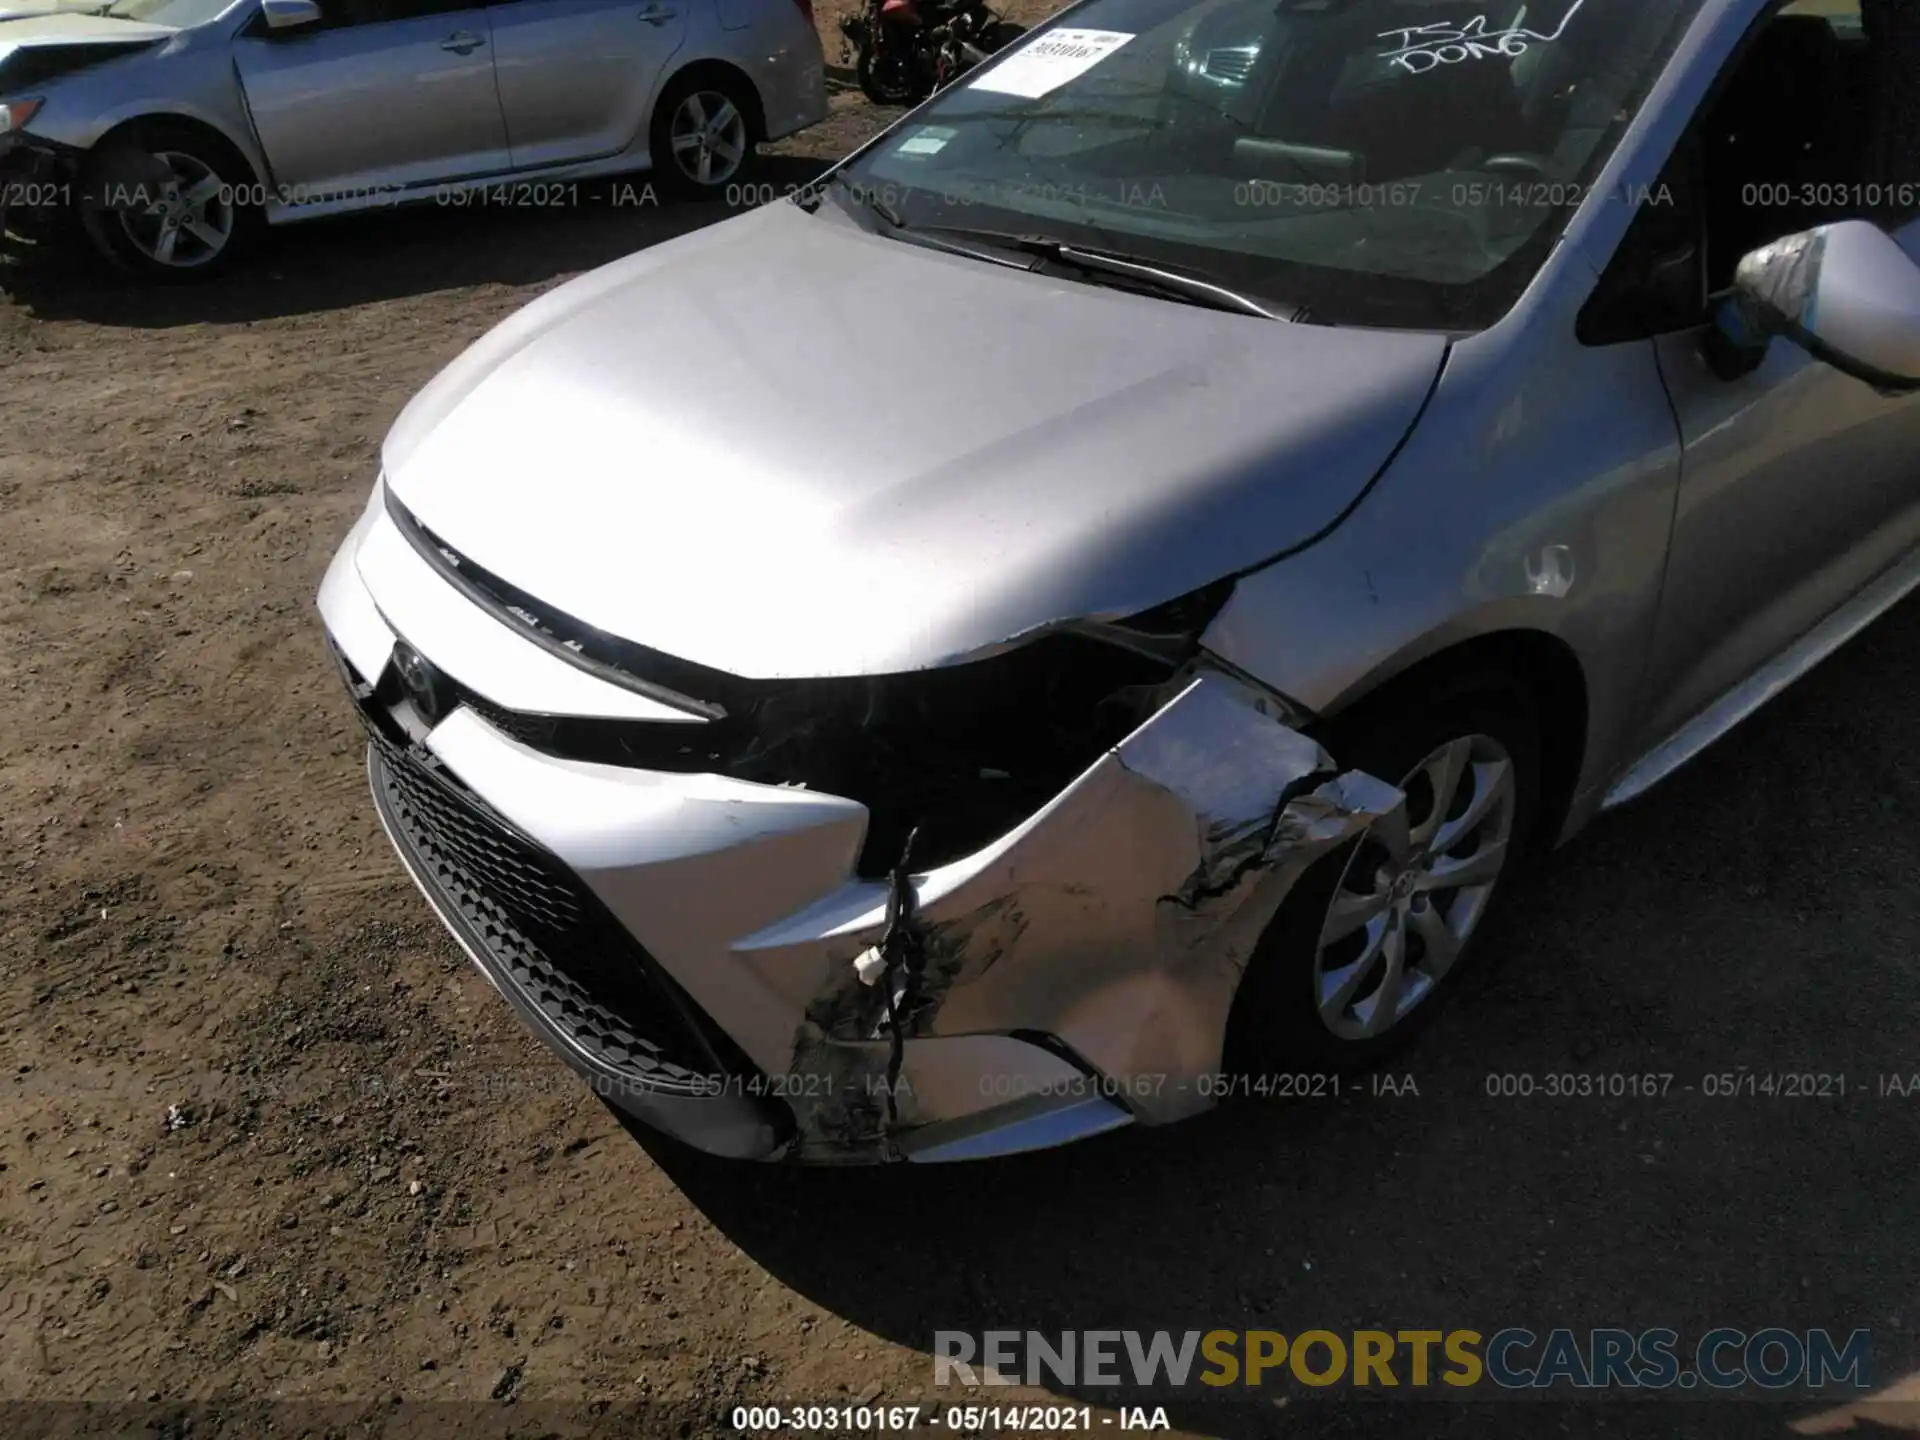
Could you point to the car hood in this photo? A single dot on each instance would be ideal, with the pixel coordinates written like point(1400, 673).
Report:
point(23, 26)
point(14, 9)
point(783, 446)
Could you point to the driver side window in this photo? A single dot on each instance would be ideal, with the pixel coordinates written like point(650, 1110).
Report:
point(1808, 129)
point(1816, 120)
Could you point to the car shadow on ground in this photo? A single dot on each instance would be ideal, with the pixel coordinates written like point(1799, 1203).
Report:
point(1744, 920)
point(332, 264)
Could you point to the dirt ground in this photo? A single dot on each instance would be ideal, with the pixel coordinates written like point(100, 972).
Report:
point(265, 1134)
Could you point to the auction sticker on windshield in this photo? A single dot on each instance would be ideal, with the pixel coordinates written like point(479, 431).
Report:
point(927, 140)
point(1050, 61)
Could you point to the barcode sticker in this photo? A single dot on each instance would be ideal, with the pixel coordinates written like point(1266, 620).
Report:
point(1048, 62)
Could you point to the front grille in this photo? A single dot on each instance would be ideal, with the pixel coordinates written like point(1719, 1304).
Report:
point(544, 932)
point(533, 731)
point(621, 663)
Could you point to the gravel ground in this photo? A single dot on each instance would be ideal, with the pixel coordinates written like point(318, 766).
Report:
point(265, 1134)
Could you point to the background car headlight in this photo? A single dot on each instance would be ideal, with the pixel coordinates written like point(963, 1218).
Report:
point(15, 114)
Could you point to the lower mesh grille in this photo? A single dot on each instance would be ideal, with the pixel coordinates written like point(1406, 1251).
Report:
point(545, 933)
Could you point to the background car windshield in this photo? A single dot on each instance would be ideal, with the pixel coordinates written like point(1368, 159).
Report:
point(1393, 162)
point(180, 14)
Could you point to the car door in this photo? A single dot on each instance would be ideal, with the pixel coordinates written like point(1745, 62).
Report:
point(381, 93)
point(1799, 484)
point(577, 77)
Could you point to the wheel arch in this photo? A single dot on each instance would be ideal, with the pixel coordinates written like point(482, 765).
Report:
point(133, 125)
point(1540, 663)
point(715, 70)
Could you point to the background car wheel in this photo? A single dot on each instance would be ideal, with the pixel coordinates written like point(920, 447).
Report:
point(888, 77)
point(1376, 935)
point(703, 135)
point(169, 203)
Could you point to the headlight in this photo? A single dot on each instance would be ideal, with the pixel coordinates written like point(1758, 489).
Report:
point(961, 753)
point(15, 114)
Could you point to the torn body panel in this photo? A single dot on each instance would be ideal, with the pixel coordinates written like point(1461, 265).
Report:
point(1117, 921)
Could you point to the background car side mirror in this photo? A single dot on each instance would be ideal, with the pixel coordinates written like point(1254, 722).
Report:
point(1846, 293)
point(284, 15)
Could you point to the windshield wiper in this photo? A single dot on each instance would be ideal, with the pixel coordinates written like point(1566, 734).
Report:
point(1173, 284)
point(1098, 266)
point(1029, 252)
point(868, 200)
point(934, 237)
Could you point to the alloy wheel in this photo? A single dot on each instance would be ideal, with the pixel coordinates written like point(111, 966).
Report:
point(708, 137)
point(190, 222)
point(1415, 888)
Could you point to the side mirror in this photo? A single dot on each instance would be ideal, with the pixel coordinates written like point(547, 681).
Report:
point(290, 14)
point(1846, 293)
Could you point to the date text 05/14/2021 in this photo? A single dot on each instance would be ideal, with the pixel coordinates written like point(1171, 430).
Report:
point(857, 1419)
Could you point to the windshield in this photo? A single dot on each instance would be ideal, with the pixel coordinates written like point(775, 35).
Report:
point(1375, 162)
point(179, 14)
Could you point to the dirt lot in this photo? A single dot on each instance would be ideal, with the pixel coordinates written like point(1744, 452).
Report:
point(264, 1133)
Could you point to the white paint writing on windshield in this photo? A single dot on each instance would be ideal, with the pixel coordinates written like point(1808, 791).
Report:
point(1420, 48)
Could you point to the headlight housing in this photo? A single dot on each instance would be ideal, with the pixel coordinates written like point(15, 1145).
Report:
point(961, 754)
point(14, 114)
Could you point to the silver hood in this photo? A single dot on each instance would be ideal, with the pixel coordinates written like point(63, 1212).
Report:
point(15, 9)
point(784, 447)
point(23, 27)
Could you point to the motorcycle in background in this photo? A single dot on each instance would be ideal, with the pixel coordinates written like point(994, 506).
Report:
point(904, 50)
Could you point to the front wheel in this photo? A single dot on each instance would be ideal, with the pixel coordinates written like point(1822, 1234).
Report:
point(169, 203)
point(1374, 936)
point(702, 139)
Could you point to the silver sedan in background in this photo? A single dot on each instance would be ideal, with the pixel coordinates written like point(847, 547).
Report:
point(177, 128)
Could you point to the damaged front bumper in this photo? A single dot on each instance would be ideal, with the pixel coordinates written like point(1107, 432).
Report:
point(37, 186)
point(44, 183)
point(698, 947)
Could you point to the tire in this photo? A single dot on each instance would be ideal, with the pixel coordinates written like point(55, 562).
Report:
point(713, 112)
point(1277, 1023)
point(889, 79)
point(166, 179)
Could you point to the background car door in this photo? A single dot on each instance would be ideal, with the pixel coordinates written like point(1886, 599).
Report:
point(384, 93)
point(1800, 484)
point(577, 77)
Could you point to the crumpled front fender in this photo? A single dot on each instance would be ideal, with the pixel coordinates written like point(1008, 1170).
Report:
point(1118, 921)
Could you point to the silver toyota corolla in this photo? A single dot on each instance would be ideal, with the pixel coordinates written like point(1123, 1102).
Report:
point(1084, 613)
point(178, 127)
